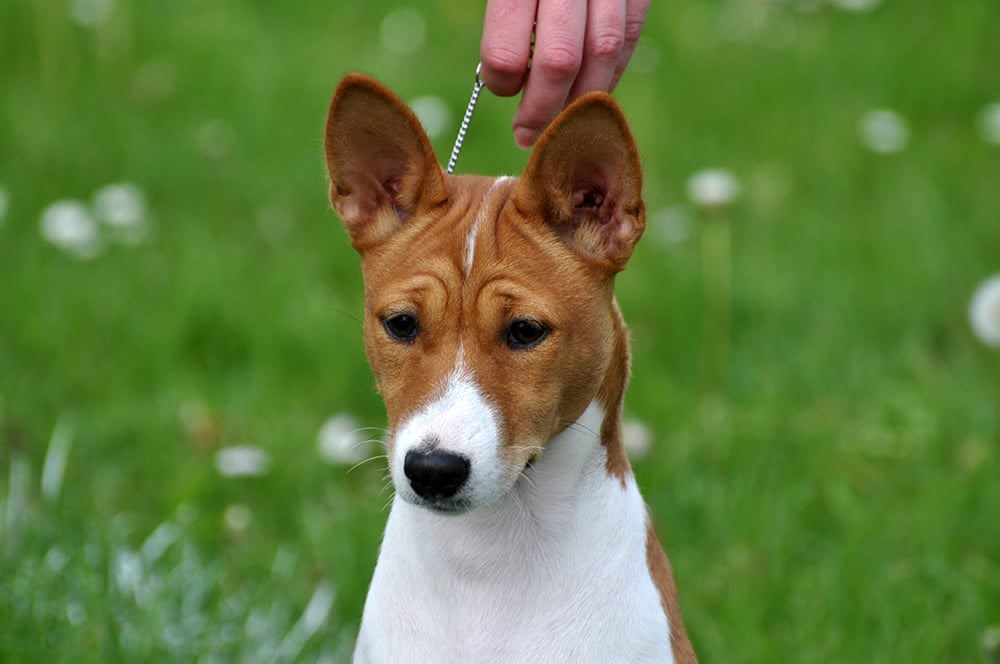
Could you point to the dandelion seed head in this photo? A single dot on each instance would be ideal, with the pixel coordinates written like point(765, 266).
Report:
point(237, 518)
point(90, 13)
point(884, 131)
point(637, 438)
point(403, 31)
point(856, 6)
point(120, 205)
point(433, 114)
point(713, 188)
point(69, 225)
point(4, 203)
point(672, 224)
point(55, 560)
point(242, 461)
point(989, 124)
point(984, 311)
point(340, 440)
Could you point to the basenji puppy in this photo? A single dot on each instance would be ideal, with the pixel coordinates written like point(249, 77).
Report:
point(517, 533)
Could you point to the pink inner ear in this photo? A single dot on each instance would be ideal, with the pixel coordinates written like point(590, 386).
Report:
point(592, 199)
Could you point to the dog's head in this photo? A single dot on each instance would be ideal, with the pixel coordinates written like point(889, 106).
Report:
point(489, 316)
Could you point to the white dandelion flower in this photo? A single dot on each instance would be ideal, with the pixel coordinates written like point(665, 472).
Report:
point(122, 206)
point(637, 438)
point(856, 6)
point(340, 440)
point(90, 13)
point(990, 641)
point(242, 461)
point(4, 203)
point(672, 225)
point(69, 225)
point(989, 123)
point(984, 311)
point(403, 31)
point(55, 560)
point(884, 131)
point(433, 114)
point(713, 188)
point(237, 518)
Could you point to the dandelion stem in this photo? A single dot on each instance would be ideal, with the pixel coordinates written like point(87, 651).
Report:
point(716, 258)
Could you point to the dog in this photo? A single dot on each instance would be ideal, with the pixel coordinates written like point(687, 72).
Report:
point(517, 533)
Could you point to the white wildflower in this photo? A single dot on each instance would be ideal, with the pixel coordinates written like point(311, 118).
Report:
point(403, 31)
point(857, 6)
point(984, 311)
point(69, 225)
point(989, 123)
point(672, 225)
point(55, 560)
point(4, 203)
point(713, 188)
point(884, 131)
point(242, 461)
point(433, 114)
point(91, 13)
point(122, 206)
point(637, 438)
point(340, 440)
point(237, 518)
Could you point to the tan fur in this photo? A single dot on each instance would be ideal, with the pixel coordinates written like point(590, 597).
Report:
point(663, 577)
point(569, 224)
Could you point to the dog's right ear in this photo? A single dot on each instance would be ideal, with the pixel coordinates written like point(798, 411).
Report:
point(382, 167)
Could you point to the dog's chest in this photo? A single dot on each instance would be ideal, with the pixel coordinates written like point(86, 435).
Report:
point(569, 585)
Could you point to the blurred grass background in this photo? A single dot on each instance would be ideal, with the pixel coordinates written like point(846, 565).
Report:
point(826, 426)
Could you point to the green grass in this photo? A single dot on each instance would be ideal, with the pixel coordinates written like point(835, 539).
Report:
point(827, 428)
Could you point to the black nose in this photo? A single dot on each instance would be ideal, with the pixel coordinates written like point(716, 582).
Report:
point(436, 474)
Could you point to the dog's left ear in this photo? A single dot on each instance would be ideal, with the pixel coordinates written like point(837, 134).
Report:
point(585, 181)
point(381, 164)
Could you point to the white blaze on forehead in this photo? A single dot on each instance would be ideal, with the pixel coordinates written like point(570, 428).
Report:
point(458, 420)
point(484, 209)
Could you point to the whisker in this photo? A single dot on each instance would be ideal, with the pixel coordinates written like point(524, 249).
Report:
point(577, 426)
point(364, 461)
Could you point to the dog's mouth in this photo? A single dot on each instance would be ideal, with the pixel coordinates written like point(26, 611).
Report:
point(452, 506)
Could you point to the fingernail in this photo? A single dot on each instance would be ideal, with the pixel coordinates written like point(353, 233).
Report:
point(525, 137)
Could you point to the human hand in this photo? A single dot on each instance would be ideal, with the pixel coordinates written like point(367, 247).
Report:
point(580, 45)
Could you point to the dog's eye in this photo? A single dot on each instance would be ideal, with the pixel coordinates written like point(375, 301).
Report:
point(401, 327)
point(525, 333)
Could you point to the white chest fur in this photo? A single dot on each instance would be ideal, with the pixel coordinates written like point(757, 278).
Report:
point(554, 572)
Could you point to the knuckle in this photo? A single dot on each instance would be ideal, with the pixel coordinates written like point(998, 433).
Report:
point(607, 45)
point(558, 60)
point(503, 60)
point(633, 28)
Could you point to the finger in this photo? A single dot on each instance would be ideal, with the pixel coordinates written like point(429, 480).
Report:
point(559, 32)
point(635, 17)
point(602, 46)
point(506, 45)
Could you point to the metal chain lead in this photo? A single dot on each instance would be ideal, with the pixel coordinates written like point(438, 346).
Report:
point(476, 89)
